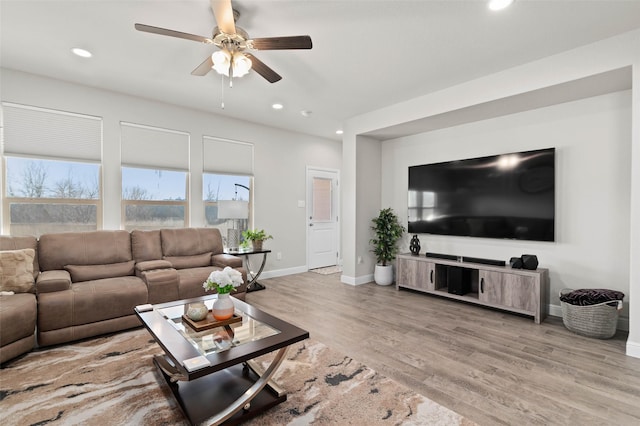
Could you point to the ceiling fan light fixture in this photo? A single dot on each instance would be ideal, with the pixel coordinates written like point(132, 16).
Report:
point(241, 64)
point(221, 62)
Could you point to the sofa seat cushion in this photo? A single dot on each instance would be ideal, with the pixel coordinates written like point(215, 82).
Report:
point(193, 261)
point(96, 272)
point(16, 270)
point(90, 301)
point(191, 280)
point(17, 317)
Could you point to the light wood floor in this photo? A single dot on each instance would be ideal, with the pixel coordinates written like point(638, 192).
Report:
point(492, 367)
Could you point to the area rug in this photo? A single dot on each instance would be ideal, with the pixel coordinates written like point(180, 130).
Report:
point(111, 380)
point(327, 271)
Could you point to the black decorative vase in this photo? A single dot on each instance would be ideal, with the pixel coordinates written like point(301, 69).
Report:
point(414, 245)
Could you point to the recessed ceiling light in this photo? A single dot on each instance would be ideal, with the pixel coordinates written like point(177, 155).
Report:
point(499, 4)
point(81, 52)
point(339, 132)
point(306, 113)
point(277, 106)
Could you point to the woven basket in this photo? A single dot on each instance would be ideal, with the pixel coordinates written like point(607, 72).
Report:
point(599, 320)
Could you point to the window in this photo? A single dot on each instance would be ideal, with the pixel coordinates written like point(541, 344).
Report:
point(44, 196)
point(227, 184)
point(226, 203)
point(153, 198)
point(155, 164)
point(52, 164)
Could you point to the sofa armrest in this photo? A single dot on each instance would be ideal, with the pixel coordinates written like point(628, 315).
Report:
point(55, 280)
point(221, 260)
point(162, 284)
point(149, 265)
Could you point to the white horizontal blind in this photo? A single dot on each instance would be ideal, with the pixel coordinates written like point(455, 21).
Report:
point(48, 133)
point(225, 156)
point(146, 146)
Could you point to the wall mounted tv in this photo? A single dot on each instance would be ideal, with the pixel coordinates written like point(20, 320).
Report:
point(502, 196)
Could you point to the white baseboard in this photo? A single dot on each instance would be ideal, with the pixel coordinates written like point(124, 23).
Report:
point(363, 279)
point(633, 349)
point(284, 272)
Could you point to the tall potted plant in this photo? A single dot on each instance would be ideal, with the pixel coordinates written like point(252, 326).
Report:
point(388, 231)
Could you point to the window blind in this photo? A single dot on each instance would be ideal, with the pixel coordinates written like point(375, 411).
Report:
point(226, 156)
point(47, 133)
point(154, 147)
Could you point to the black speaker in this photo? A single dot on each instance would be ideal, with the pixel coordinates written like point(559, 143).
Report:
point(458, 280)
point(516, 262)
point(529, 261)
point(441, 256)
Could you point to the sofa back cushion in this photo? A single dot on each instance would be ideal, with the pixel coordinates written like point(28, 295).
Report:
point(146, 245)
point(190, 241)
point(16, 270)
point(17, 243)
point(97, 272)
point(194, 261)
point(55, 251)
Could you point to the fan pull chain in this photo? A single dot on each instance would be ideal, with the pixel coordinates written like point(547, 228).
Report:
point(222, 90)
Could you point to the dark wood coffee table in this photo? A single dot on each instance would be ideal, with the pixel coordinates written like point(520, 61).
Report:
point(226, 386)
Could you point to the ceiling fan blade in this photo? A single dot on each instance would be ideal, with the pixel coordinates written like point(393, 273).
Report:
point(203, 68)
point(172, 33)
point(258, 66)
point(279, 43)
point(223, 13)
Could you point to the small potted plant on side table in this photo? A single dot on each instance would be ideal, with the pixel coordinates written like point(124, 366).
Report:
point(388, 231)
point(256, 236)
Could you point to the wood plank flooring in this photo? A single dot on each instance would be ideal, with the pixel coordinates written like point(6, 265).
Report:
point(495, 368)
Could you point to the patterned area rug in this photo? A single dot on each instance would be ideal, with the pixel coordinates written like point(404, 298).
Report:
point(327, 271)
point(111, 380)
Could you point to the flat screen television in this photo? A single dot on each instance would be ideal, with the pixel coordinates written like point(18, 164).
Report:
point(508, 196)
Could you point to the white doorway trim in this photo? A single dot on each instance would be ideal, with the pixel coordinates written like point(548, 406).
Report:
point(334, 174)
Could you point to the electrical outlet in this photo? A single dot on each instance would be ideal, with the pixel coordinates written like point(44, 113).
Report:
point(359, 259)
point(279, 256)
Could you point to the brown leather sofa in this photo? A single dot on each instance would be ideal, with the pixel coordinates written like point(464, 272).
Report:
point(18, 311)
point(90, 282)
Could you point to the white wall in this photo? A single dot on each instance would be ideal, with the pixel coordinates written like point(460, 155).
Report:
point(592, 138)
point(547, 73)
point(279, 179)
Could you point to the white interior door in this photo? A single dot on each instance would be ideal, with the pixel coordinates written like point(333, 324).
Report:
point(322, 211)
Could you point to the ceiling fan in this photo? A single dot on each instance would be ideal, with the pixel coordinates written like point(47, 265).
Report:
point(232, 60)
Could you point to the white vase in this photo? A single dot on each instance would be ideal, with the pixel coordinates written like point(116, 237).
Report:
point(197, 311)
point(223, 307)
point(383, 275)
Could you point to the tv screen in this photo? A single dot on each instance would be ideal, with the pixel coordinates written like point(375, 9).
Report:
point(502, 196)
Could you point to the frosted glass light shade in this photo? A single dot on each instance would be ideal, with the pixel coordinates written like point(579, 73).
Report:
point(241, 65)
point(221, 61)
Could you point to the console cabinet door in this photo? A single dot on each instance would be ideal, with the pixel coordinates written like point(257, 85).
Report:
point(416, 274)
point(509, 290)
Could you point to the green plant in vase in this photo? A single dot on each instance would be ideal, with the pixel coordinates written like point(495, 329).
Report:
point(257, 237)
point(388, 231)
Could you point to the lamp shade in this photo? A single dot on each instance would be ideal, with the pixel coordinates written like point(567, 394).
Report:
point(233, 209)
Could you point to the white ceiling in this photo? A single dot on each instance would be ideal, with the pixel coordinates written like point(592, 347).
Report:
point(366, 54)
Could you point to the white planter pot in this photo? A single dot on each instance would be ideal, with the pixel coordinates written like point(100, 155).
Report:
point(383, 275)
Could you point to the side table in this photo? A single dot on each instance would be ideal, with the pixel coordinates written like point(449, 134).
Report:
point(253, 284)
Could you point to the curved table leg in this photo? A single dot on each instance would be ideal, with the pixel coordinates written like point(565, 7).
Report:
point(251, 393)
point(254, 285)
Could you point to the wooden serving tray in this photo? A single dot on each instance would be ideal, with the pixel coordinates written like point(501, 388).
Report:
point(210, 322)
